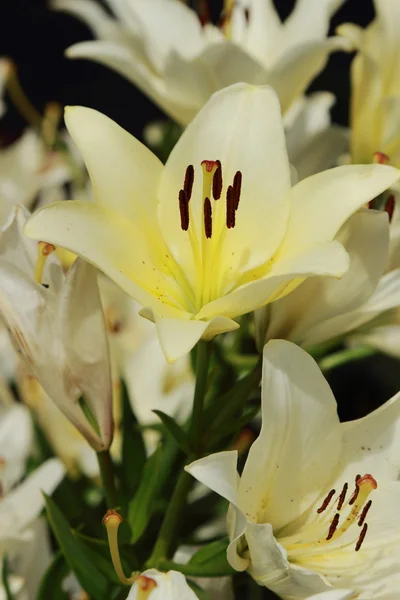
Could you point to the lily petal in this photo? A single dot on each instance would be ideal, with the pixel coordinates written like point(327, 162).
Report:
point(323, 202)
point(123, 172)
point(300, 434)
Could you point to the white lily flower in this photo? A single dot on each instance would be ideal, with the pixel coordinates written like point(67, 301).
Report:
point(313, 143)
point(375, 104)
point(58, 327)
point(162, 47)
point(334, 595)
point(220, 232)
point(322, 309)
point(16, 439)
point(154, 585)
point(316, 505)
point(21, 533)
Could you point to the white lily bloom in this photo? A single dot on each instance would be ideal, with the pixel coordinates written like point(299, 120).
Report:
point(316, 505)
point(221, 231)
point(21, 533)
point(154, 585)
point(334, 595)
point(375, 104)
point(162, 47)
point(324, 308)
point(58, 327)
point(16, 439)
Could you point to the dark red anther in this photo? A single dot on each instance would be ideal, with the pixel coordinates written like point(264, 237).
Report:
point(325, 503)
point(217, 182)
point(342, 496)
point(204, 12)
point(362, 536)
point(333, 526)
point(389, 206)
point(371, 203)
point(207, 218)
point(364, 513)
point(184, 210)
point(237, 188)
point(230, 208)
point(247, 15)
point(356, 491)
point(188, 184)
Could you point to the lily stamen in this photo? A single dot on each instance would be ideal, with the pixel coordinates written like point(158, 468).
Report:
point(326, 502)
point(362, 537)
point(112, 520)
point(44, 251)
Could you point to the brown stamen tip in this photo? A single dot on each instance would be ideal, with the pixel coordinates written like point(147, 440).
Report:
point(381, 158)
point(146, 583)
point(325, 503)
point(184, 210)
point(389, 207)
point(237, 187)
point(333, 526)
point(364, 513)
point(188, 184)
point(46, 248)
point(204, 13)
point(342, 496)
point(362, 536)
point(247, 15)
point(112, 517)
point(371, 203)
point(356, 491)
point(217, 182)
point(207, 218)
point(230, 208)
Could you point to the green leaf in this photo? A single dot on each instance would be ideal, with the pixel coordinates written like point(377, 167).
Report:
point(200, 593)
point(155, 474)
point(175, 431)
point(52, 580)
point(133, 448)
point(212, 552)
point(99, 551)
point(89, 576)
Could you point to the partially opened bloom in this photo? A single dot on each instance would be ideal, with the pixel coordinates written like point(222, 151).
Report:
point(218, 231)
point(375, 103)
point(316, 505)
point(58, 327)
point(163, 47)
point(154, 585)
point(322, 308)
point(16, 440)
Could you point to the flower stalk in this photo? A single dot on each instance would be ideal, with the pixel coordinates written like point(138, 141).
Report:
point(107, 477)
point(112, 520)
point(344, 356)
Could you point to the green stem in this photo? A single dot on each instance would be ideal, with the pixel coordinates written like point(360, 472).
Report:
point(4, 579)
point(106, 467)
point(202, 365)
point(196, 570)
point(172, 516)
point(344, 356)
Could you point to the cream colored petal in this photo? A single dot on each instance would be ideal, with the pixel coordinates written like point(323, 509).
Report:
point(22, 505)
point(323, 202)
point(270, 568)
point(105, 239)
point(16, 440)
point(333, 595)
point(315, 310)
point(128, 62)
point(83, 332)
point(261, 35)
point(178, 336)
point(323, 259)
point(169, 586)
point(309, 20)
point(372, 444)
point(219, 473)
point(241, 127)
point(296, 452)
point(322, 152)
point(123, 172)
point(297, 67)
point(385, 338)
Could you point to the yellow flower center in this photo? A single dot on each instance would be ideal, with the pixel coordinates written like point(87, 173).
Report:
point(336, 515)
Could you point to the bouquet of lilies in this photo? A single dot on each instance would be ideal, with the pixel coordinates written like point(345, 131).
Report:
point(170, 312)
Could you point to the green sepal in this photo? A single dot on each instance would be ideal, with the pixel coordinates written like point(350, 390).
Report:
point(175, 430)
